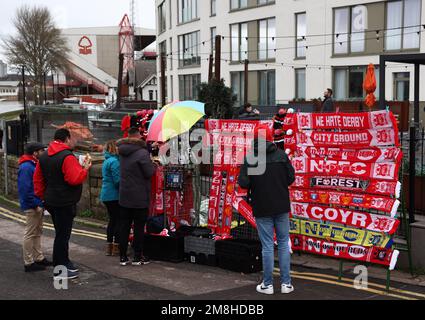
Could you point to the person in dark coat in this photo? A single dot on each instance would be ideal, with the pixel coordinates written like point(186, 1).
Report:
point(328, 103)
point(134, 192)
point(33, 208)
point(269, 197)
point(109, 195)
point(248, 113)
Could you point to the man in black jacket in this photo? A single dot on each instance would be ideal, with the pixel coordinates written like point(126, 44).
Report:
point(135, 187)
point(270, 202)
point(328, 103)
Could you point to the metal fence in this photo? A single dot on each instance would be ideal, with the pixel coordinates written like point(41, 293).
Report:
point(103, 124)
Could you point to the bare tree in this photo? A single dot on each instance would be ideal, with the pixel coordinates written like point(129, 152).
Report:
point(38, 45)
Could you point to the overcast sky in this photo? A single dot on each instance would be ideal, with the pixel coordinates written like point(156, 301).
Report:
point(80, 13)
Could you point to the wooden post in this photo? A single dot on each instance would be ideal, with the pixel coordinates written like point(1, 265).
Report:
point(246, 82)
point(163, 102)
point(218, 57)
point(120, 73)
point(210, 69)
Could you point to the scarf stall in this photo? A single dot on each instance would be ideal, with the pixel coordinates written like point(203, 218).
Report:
point(345, 197)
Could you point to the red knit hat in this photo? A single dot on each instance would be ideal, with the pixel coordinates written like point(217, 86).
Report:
point(263, 131)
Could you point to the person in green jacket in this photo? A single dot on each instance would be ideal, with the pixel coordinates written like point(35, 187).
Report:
point(110, 196)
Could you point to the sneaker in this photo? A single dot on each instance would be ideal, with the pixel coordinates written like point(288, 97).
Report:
point(68, 276)
point(140, 261)
point(70, 266)
point(145, 260)
point(44, 262)
point(287, 288)
point(34, 268)
point(124, 261)
point(261, 288)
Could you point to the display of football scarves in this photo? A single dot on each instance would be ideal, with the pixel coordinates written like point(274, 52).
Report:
point(386, 257)
point(362, 201)
point(344, 198)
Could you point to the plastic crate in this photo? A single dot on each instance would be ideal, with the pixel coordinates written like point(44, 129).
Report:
point(164, 248)
point(239, 255)
point(201, 258)
point(200, 250)
point(199, 245)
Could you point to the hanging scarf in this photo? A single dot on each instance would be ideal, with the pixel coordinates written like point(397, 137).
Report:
point(364, 201)
point(364, 220)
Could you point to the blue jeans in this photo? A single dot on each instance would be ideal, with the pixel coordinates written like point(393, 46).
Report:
point(265, 227)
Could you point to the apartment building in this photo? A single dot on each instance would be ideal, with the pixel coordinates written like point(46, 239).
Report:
point(295, 48)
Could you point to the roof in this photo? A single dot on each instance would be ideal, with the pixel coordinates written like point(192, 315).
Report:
point(147, 80)
point(144, 70)
point(106, 31)
point(10, 83)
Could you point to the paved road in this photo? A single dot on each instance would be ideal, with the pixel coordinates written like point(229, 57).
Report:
point(9, 106)
point(102, 277)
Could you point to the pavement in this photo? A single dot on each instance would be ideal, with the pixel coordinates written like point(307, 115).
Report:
point(102, 278)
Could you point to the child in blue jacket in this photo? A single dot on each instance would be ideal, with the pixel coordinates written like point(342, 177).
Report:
point(110, 196)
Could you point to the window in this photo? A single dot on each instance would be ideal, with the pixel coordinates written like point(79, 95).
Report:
point(267, 39)
point(213, 7)
point(301, 34)
point(265, 1)
point(171, 54)
point(403, 20)
point(171, 16)
point(171, 98)
point(163, 51)
point(161, 17)
point(189, 49)
point(239, 41)
point(401, 86)
point(150, 95)
point(213, 34)
point(300, 84)
point(267, 88)
point(188, 10)
point(238, 86)
point(349, 35)
point(188, 86)
point(238, 4)
point(348, 82)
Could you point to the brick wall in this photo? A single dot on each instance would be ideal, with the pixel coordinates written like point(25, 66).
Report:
point(91, 188)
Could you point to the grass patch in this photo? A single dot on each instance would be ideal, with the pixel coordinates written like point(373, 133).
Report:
point(8, 202)
point(86, 214)
point(13, 115)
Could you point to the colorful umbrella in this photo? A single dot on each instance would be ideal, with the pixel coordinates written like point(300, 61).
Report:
point(369, 85)
point(174, 119)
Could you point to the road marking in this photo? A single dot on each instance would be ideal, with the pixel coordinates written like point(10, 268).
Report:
point(298, 275)
point(322, 277)
point(48, 226)
point(370, 284)
point(379, 292)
